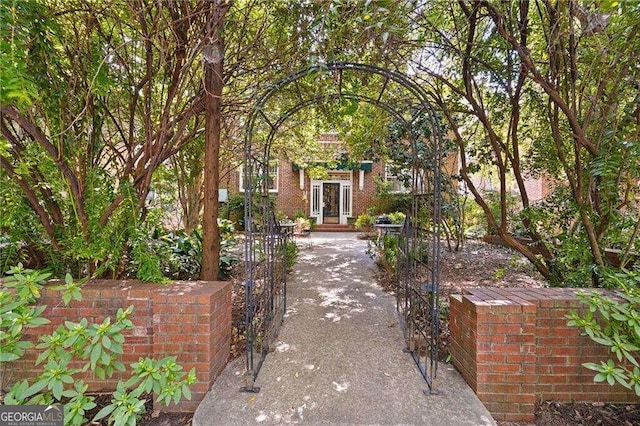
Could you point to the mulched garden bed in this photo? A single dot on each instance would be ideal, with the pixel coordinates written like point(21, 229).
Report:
point(550, 413)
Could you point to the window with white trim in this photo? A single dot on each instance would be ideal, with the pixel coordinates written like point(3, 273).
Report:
point(404, 184)
point(397, 185)
point(271, 176)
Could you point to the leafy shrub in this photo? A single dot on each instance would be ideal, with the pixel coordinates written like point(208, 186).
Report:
point(185, 258)
point(227, 242)
point(386, 201)
point(388, 253)
point(17, 311)
point(178, 256)
point(233, 210)
point(281, 216)
point(616, 325)
point(146, 255)
point(365, 221)
point(96, 347)
point(475, 225)
point(302, 225)
point(572, 261)
point(11, 253)
point(291, 254)
point(298, 214)
point(94, 249)
point(310, 220)
point(226, 228)
point(397, 217)
point(514, 224)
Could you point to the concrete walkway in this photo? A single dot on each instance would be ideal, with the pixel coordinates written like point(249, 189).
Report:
point(339, 358)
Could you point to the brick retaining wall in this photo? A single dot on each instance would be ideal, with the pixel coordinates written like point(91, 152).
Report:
point(190, 320)
point(514, 348)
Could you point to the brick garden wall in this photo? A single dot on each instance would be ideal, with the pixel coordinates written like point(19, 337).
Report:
point(513, 347)
point(190, 320)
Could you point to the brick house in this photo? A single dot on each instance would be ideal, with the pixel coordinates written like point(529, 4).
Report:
point(345, 191)
point(538, 188)
point(338, 198)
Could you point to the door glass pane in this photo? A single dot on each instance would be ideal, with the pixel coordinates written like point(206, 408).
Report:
point(331, 200)
point(346, 199)
point(315, 200)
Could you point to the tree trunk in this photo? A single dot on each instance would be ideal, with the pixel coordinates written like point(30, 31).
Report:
point(192, 204)
point(213, 54)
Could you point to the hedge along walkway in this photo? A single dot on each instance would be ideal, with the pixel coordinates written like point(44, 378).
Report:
point(339, 358)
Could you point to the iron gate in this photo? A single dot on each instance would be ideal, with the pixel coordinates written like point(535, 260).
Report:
point(418, 262)
point(265, 283)
point(417, 298)
point(265, 242)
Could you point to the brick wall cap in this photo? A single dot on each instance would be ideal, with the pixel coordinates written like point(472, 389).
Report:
point(518, 295)
point(499, 302)
point(135, 289)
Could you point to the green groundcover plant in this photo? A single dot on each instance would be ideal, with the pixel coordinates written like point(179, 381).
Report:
point(75, 348)
point(614, 323)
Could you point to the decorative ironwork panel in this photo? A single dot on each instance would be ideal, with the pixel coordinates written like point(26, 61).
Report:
point(417, 297)
point(265, 283)
point(265, 243)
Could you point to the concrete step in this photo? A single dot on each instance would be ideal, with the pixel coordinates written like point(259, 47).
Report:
point(333, 228)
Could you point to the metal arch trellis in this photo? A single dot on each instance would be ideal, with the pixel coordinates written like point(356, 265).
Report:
point(418, 245)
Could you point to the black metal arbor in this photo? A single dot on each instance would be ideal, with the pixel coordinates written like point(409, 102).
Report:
point(265, 283)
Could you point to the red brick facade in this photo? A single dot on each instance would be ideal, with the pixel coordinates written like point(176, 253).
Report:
point(539, 188)
point(188, 320)
point(290, 199)
point(513, 347)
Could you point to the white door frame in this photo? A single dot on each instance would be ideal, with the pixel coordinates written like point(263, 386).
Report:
point(317, 202)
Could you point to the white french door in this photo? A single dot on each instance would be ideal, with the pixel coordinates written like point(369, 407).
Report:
point(331, 201)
